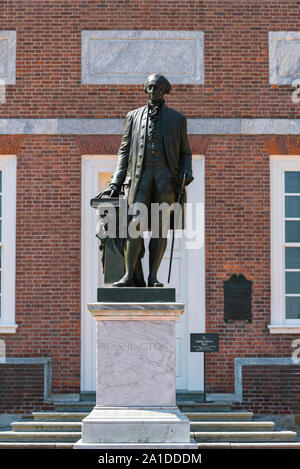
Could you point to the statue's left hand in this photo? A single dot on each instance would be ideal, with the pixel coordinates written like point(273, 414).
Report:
point(188, 177)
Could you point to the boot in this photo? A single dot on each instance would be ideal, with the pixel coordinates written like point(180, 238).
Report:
point(138, 275)
point(157, 247)
point(132, 252)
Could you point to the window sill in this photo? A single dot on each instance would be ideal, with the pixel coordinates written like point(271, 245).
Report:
point(8, 328)
point(284, 328)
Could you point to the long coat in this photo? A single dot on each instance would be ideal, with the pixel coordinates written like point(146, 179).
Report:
point(131, 153)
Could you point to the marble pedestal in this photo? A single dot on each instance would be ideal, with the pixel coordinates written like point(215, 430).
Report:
point(136, 379)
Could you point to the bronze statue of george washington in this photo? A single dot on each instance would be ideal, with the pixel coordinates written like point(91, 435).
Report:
point(153, 160)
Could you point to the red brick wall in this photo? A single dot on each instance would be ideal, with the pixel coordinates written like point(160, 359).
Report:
point(49, 167)
point(271, 389)
point(48, 257)
point(22, 388)
point(48, 251)
point(237, 228)
point(236, 56)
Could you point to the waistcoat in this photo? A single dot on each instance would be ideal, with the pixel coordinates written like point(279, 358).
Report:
point(154, 157)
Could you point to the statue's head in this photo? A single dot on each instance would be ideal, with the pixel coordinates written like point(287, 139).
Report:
point(156, 86)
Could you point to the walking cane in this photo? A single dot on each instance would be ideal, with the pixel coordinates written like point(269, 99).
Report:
point(175, 224)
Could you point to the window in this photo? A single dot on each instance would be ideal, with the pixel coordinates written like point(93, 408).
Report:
point(292, 244)
point(285, 244)
point(0, 240)
point(7, 243)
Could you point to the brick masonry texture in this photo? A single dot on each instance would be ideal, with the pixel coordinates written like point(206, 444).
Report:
point(9, 144)
point(22, 389)
point(283, 145)
point(48, 257)
point(238, 240)
point(48, 249)
point(110, 144)
point(48, 84)
point(48, 77)
point(272, 389)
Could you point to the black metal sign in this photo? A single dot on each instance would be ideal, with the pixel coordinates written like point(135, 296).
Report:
point(204, 342)
point(237, 298)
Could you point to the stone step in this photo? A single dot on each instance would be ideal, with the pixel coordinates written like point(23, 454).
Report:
point(211, 429)
point(194, 396)
point(278, 445)
point(80, 406)
point(46, 426)
point(66, 426)
point(227, 445)
point(199, 416)
point(21, 445)
point(186, 406)
point(212, 416)
point(34, 437)
point(243, 437)
point(232, 426)
point(88, 396)
point(30, 445)
point(59, 416)
point(204, 439)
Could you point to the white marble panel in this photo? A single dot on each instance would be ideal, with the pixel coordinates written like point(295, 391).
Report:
point(130, 56)
point(8, 57)
point(136, 362)
point(133, 425)
point(284, 57)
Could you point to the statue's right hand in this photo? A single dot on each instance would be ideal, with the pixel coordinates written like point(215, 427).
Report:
point(113, 190)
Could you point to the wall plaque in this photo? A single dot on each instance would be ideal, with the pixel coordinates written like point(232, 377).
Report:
point(204, 342)
point(238, 298)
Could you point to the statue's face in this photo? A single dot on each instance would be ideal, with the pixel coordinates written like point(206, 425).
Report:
point(155, 91)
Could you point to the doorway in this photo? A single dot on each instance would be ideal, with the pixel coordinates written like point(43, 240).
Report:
point(188, 274)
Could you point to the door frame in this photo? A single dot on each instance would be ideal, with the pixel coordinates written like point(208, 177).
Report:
point(91, 271)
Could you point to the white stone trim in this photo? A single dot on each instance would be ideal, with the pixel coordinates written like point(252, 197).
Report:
point(8, 75)
point(60, 398)
point(89, 268)
point(270, 126)
point(211, 126)
point(284, 329)
point(90, 126)
point(128, 57)
point(8, 166)
point(8, 328)
point(214, 126)
point(278, 165)
point(220, 397)
point(136, 311)
point(284, 53)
